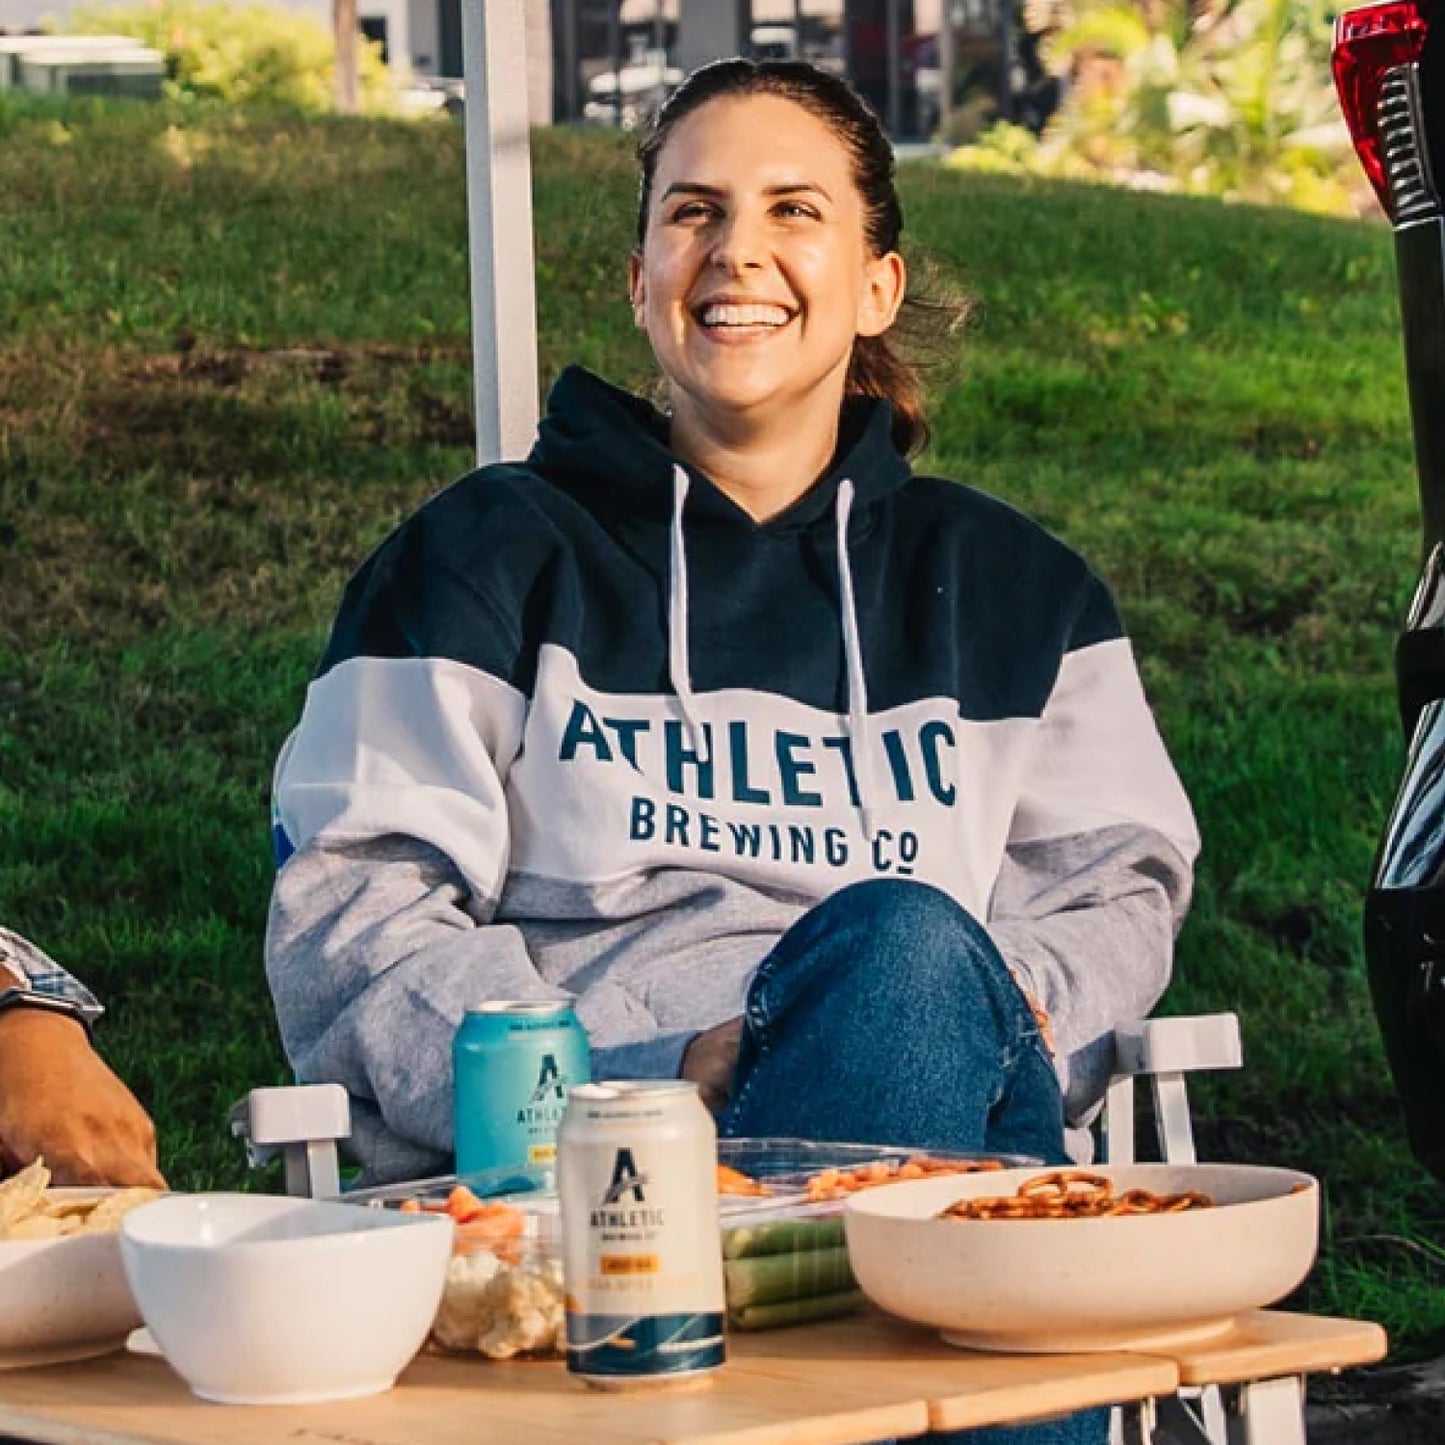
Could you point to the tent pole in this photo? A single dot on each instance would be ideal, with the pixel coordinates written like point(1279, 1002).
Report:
point(499, 227)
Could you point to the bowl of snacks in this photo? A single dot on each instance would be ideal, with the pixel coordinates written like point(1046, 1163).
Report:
point(261, 1300)
point(1064, 1260)
point(62, 1283)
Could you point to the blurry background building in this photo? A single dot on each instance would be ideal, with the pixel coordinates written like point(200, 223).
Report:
point(608, 62)
point(917, 61)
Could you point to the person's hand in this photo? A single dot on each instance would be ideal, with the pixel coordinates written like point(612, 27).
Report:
point(59, 1099)
point(709, 1061)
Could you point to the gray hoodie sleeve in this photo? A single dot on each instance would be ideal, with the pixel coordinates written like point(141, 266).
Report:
point(1098, 870)
point(375, 949)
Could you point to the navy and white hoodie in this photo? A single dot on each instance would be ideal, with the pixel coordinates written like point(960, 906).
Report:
point(585, 729)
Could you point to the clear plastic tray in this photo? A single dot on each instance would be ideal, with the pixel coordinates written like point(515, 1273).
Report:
point(488, 1184)
point(787, 1165)
point(784, 1254)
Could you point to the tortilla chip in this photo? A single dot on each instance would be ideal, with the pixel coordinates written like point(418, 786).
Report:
point(75, 1209)
point(107, 1215)
point(23, 1193)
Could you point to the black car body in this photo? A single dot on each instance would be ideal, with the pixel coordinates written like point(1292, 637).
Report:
point(1389, 63)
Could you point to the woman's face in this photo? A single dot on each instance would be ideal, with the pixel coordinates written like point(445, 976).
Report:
point(754, 278)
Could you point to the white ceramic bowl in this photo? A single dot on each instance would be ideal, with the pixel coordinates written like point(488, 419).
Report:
point(63, 1299)
point(259, 1300)
point(1086, 1284)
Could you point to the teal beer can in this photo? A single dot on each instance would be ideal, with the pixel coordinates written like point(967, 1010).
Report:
point(513, 1063)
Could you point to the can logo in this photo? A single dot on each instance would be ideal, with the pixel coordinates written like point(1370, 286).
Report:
point(626, 1179)
point(549, 1098)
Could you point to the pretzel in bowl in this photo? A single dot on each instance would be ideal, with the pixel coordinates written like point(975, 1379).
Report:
point(1073, 1194)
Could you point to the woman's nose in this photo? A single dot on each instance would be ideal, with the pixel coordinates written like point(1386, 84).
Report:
point(737, 245)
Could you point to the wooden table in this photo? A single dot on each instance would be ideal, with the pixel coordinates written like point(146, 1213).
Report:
point(846, 1382)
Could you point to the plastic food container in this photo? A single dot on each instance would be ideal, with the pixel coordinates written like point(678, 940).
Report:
point(503, 1293)
point(785, 1260)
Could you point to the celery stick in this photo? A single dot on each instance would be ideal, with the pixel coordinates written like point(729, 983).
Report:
point(767, 1278)
point(782, 1236)
point(795, 1311)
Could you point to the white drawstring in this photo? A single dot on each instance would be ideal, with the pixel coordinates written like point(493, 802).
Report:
point(677, 660)
point(853, 657)
point(677, 653)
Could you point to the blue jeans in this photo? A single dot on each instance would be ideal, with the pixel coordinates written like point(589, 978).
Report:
point(885, 1015)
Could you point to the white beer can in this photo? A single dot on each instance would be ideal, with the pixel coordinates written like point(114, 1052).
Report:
point(641, 1251)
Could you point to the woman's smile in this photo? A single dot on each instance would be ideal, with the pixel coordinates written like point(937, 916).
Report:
point(732, 321)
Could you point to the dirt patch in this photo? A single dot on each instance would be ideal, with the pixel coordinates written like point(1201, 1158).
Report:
point(233, 483)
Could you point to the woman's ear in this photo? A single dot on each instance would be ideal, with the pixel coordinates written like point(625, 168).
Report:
point(885, 282)
point(637, 291)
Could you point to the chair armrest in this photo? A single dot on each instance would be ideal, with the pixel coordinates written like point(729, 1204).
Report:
point(1163, 1051)
point(1178, 1045)
point(301, 1122)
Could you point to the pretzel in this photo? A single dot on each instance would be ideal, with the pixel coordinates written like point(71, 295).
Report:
point(1073, 1194)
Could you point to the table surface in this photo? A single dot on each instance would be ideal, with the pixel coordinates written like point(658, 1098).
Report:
point(845, 1382)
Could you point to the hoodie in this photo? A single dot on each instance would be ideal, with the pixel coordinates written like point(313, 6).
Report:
point(585, 729)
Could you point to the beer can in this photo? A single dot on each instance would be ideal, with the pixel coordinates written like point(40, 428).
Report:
point(641, 1248)
point(513, 1063)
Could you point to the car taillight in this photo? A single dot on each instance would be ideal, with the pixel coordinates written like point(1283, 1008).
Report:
point(1369, 44)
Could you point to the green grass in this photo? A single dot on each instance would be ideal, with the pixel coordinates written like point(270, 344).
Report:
point(233, 352)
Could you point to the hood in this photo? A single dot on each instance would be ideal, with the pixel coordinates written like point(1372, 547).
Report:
point(608, 449)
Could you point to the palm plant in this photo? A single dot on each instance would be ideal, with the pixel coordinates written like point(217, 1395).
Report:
point(1228, 97)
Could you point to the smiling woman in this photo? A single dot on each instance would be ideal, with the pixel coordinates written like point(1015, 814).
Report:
point(767, 274)
point(829, 787)
point(756, 280)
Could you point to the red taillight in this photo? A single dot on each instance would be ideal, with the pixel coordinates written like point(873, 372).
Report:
point(1369, 43)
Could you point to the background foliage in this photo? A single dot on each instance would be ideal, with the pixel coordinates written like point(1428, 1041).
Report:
point(243, 54)
point(1228, 98)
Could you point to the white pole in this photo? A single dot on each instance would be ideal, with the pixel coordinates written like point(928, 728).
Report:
point(499, 223)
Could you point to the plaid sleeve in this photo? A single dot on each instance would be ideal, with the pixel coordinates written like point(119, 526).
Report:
point(34, 969)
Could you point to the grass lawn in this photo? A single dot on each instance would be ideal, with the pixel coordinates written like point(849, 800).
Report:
point(233, 353)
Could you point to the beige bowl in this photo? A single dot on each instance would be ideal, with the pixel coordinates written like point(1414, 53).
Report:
point(63, 1299)
point(1086, 1284)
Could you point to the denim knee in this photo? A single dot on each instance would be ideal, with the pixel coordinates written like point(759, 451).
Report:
point(910, 921)
point(903, 909)
point(890, 949)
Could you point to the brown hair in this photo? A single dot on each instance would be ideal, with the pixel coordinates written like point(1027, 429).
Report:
point(877, 368)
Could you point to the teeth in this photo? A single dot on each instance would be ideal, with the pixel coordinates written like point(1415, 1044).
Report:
point(754, 315)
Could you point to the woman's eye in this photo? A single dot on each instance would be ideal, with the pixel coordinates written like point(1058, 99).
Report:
point(792, 210)
point(694, 211)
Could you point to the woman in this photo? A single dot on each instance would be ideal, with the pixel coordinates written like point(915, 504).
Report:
point(823, 784)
